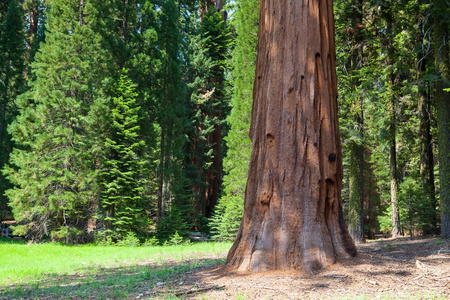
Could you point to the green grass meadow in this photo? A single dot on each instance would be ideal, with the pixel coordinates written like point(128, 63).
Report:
point(99, 272)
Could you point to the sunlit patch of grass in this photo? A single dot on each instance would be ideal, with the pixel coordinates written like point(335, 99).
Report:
point(22, 263)
point(113, 282)
point(99, 272)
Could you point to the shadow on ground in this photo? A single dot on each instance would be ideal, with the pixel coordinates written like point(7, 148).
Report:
point(105, 283)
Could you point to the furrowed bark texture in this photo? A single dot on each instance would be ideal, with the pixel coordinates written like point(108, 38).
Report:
point(293, 207)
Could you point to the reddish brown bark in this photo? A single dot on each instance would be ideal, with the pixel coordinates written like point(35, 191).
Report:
point(33, 20)
point(207, 197)
point(206, 5)
point(293, 207)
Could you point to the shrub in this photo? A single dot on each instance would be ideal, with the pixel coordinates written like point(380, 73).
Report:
point(130, 240)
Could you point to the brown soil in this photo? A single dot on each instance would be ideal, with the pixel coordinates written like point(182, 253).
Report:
point(385, 269)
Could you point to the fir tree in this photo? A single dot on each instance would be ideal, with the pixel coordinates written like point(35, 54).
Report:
point(144, 62)
point(55, 161)
point(123, 167)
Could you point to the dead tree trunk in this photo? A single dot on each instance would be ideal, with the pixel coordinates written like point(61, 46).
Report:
point(293, 216)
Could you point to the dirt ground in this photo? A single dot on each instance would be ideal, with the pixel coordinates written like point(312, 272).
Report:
point(383, 269)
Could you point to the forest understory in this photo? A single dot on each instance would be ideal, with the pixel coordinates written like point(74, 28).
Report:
point(400, 268)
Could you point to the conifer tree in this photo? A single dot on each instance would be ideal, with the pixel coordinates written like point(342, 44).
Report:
point(11, 83)
point(215, 29)
point(426, 162)
point(388, 83)
point(134, 45)
point(208, 111)
point(355, 85)
point(197, 151)
point(54, 164)
point(123, 166)
point(441, 37)
point(228, 214)
point(169, 106)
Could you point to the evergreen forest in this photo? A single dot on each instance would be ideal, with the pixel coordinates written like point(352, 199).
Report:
point(124, 118)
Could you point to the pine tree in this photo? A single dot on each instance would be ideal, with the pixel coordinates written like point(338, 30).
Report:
point(55, 162)
point(123, 166)
point(228, 213)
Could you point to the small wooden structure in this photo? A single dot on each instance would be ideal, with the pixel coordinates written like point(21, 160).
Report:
point(5, 229)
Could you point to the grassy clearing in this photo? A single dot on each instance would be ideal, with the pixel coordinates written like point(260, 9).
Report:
point(95, 271)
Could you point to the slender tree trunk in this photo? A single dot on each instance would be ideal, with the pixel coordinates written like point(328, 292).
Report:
point(125, 23)
point(293, 216)
point(161, 174)
point(81, 16)
point(393, 169)
point(442, 35)
point(123, 54)
point(356, 196)
point(372, 197)
point(2, 123)
point(214, 172)
point(426, 148)
point(162, 153)
point(3, 102)
point(443, 109)
point(33, 22)
point(356, 176)
point(392, 119)
point(205, 5)
point(33, 26)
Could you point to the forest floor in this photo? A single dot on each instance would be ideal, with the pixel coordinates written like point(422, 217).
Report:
point(401, 268)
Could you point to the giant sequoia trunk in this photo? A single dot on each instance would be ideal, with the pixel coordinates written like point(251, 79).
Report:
point(293, 208)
